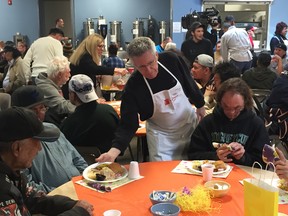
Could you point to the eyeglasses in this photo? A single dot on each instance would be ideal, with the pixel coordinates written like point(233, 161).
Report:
point(40, 108)
point(232, 110)
point(101, 46)
point(149, 64)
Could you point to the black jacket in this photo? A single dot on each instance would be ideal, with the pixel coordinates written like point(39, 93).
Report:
point(247, 129)
point(15, 199)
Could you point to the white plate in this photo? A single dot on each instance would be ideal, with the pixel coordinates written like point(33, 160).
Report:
point(85, 173)
point(210, 161)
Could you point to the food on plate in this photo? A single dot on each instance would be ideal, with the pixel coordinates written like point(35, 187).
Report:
point(105, 172)
point(120, 83)
point(218, 145)
point(218, 165)
point(283, 184)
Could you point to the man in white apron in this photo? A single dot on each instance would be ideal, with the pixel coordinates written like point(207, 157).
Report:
point(158, 92)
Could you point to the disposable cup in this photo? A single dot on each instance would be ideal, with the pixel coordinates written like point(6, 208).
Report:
point(112, 212)
point(207, 172)
point(133, 170)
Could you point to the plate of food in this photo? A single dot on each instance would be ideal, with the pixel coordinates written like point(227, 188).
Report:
point(219, 166)
point(283, 185)
point(105, 172)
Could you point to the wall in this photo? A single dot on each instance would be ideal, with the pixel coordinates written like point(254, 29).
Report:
point(22, 16)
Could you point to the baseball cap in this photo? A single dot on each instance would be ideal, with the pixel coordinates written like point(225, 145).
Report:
point(250, 27)
point(17, 123)
point(229, 18)
point(27, 96)
point(196, 25)
point(281, 46)
point(83, 86)
point(205, 60)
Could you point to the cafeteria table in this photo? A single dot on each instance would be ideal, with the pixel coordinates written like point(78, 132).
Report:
point(133, 198)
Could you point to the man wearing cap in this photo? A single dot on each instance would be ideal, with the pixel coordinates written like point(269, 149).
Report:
point(279, 60)
point(197, 44)
point(21, 133)
point(41, 52)
point(235, 46)
point(202, 73)
point(55, 164)
point(91, 124)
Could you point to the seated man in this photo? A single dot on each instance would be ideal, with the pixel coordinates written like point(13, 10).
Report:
point(54, 164)
point(58, 73)
point(279, 60)
point(260, 77)
point(91, 124)
point(232, 123)
point(21, 133)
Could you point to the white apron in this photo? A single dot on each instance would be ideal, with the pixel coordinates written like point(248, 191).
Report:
point(170, 128)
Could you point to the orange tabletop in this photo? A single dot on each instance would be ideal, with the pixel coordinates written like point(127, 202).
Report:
point(133, 198)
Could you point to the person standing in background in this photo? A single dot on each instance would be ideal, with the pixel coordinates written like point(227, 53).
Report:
point(161, 47)
point(251, 33)
point(197, 44)
point(235, 46)
point(22, 48)
point(41, 52)
point(279, 36)
point(59, 23)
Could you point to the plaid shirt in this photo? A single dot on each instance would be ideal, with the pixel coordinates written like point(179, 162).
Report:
point(113, 61)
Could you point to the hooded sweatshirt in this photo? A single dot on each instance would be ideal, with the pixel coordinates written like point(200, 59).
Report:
point(259, 78)
point(247, 129)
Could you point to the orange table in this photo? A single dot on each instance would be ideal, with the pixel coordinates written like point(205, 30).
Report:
point(132, 199)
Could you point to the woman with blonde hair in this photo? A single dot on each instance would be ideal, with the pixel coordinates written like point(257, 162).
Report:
point(87, 59)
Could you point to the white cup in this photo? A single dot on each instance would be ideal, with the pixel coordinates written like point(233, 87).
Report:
point(133, 170)
point(207, 172)
point(112, 212)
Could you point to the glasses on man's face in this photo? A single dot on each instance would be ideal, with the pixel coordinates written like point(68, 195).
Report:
point(40, 108)
point(232, 110)
point(149, 64)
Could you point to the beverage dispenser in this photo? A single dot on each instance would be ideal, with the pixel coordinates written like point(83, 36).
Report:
point(115, 32)
point(88, 27)
point(163, 31)
point(138, 28)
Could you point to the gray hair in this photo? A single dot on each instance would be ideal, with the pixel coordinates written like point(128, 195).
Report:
point(139, 46)
point(58, 64)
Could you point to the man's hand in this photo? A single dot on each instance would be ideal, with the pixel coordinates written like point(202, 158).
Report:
point(109, 156)
point(281, 165)
point(200, 113)
point(87, 206)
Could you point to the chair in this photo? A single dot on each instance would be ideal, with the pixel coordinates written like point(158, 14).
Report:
point(89, 153)
point(261, 95)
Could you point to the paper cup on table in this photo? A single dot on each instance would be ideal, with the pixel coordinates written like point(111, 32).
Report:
point(133, 170)
point(106, 82)
point(207, 172)
point(112, 212)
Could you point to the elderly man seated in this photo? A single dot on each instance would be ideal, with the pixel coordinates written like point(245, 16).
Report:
point(54, 164)
point(58, 73)
point(232, 124)
point(21, 133)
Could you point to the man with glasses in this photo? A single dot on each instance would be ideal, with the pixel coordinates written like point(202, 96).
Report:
point(159, 91)
point(54, 164)
point(232, 133)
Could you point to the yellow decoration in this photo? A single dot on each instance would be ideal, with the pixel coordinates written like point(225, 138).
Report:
point(194, 200)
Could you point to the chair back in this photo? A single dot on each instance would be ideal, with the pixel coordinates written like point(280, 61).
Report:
point(89, 153)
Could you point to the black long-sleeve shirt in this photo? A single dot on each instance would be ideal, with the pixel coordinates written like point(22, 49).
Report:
point(137, 99)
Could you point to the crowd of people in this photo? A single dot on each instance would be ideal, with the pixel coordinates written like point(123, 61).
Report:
point(190, 98)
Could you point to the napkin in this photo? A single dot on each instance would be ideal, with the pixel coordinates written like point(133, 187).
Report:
point(184, 167)
point(112, 185)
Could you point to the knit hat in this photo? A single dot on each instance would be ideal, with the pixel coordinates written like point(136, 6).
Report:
point(281, 46)
point(68, 49)
point(83, 86)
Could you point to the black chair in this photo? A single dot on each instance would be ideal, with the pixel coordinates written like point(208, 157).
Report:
point(89, 153)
